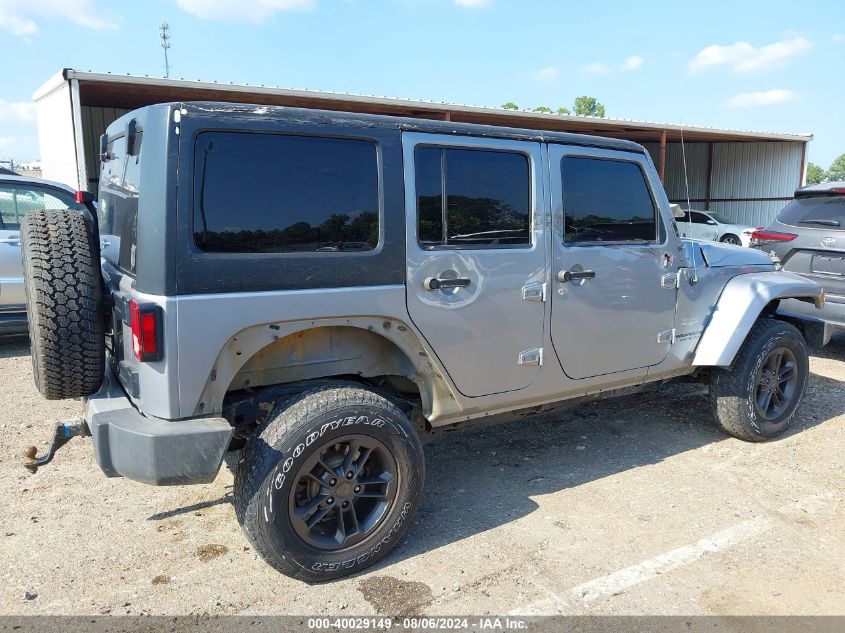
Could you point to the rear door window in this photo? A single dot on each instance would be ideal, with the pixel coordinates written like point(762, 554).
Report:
point(18, 200)
point(274, 193)
point(606, 201)
point(821, 211)
point(469, 198)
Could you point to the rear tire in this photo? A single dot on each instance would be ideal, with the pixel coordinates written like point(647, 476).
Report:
point(730, 238)
point(61, 264)
point(758, 397)
point(330, 482)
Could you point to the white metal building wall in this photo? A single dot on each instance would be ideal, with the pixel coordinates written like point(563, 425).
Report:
point(746, 178)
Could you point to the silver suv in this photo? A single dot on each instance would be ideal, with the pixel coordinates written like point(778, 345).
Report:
point(808, 238)
point(317, 290)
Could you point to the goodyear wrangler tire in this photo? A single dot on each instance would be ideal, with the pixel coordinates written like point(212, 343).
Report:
point(758, 397)
point(61, 264)
point(330, 482)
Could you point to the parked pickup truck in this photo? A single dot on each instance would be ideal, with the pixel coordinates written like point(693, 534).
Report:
point(317, 290)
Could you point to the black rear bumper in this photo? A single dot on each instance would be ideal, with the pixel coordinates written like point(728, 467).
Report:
point(149, 450)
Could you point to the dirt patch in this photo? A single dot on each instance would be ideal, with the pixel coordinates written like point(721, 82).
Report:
point(211, 551)
point(394, 597)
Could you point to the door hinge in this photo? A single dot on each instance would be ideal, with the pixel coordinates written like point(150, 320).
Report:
point(670, 280)
point(534, 292)
point(531, 357)
point(668, 336)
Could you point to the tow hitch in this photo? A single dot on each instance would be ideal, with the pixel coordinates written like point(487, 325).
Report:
point(62, 435)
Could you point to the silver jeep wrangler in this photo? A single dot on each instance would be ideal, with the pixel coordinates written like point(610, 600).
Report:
point(317, 290)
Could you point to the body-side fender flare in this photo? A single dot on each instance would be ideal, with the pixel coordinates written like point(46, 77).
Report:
point(283, 350)
point(739, 306)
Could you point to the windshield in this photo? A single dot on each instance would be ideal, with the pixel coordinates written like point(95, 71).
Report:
point(820, 210)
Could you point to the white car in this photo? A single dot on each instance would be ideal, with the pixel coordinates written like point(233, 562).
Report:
point(704, 225)
point(18, 196)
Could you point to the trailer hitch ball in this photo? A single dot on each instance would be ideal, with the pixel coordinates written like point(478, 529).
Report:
point(62, 434)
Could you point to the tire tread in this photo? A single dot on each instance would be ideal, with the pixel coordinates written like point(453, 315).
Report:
point(62, 282)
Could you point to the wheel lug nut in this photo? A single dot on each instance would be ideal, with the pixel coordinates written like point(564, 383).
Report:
point(332, 482)
point(330, 501)
point(345, 503)
point(350, 475)
point(357, 488)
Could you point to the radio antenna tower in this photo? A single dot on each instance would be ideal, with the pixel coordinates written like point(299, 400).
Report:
point(164, 29)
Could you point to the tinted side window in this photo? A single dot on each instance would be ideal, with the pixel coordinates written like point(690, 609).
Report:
point(829, 209)
point(468, 198)
point(118, 205)
point(606, 201)
point(268, 193)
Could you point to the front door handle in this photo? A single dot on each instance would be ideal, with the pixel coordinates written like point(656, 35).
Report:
point(575, 275)
point(433, 283)
point(10, 240)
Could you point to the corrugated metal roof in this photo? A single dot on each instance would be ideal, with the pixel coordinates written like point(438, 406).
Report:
point(516, 118)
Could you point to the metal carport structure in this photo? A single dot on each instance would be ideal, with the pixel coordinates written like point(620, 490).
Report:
point(745, 175)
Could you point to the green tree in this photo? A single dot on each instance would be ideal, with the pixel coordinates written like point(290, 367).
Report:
point(588, 106)
point(510, 105)
point(815, 174)
point(836, 172)
point(563, 111)
point(542, 109)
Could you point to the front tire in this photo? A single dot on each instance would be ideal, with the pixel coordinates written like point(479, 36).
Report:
point(330, 482)
point(758, 397)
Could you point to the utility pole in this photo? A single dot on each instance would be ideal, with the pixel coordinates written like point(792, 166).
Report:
point(164, 29)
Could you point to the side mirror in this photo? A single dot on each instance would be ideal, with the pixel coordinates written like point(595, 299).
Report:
point(677, 211)
point(712, 222)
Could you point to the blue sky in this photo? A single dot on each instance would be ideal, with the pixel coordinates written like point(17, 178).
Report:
point(772, 65)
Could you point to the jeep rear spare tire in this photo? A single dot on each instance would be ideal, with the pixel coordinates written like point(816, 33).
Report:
point(61, 263)
point(329, 482)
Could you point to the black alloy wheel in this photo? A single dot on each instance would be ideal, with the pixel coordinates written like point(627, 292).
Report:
point(343, 492)
point(777, 383)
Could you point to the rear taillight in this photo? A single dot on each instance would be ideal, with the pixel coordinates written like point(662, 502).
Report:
point(762, 236)
point(145, 323)
point(84, 197)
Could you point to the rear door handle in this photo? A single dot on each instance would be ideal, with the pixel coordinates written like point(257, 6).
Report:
point(10, 240)
point(433, 283)
point(575, 275)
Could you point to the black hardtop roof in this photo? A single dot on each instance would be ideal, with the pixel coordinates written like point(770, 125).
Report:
point(241, 110)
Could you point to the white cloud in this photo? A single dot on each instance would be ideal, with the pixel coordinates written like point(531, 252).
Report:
point(596, 68)
point(764, 98)
point(838, 37)
point(632, 63)
point(742, 57)
point(549, 73)
point(473, 4)
point(17, 111)
point(247, 10)
point(19, 16)
point(6, 141)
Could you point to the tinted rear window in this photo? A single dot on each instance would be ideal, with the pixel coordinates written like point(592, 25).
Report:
point(802, 211)
point(606, 201)
point(272, 193)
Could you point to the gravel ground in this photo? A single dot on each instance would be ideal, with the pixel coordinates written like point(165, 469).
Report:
point(631, 506)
